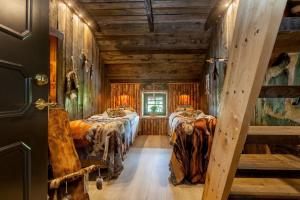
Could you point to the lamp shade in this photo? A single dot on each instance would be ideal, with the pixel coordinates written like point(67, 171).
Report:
point(124, 100)
point(185, 99)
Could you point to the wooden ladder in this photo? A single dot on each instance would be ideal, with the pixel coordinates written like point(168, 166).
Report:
point(259, 176)
point(268, 176)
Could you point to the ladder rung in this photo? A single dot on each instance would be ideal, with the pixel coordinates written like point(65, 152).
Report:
point(265, 188)
point(285, 162)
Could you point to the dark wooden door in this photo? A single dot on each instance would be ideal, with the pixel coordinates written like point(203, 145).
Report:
point(24, 52)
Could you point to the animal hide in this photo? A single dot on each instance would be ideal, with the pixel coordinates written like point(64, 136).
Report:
point(192, 141)
point(102, 138)
point(63, 157)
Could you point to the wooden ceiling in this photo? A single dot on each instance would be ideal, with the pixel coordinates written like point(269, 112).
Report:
point(143, 32)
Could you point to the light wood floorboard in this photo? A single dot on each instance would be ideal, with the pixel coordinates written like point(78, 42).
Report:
point(145, 175)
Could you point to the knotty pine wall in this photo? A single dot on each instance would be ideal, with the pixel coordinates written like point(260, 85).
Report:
point(156, 125)
point(76, 36)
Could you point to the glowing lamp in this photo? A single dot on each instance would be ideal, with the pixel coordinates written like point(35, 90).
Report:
point(184, 100)
point(124, 100)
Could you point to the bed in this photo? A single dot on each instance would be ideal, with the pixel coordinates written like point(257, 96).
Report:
point(103, 139)
point(191, 133)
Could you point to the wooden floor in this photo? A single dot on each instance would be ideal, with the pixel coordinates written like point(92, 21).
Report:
point(145, 175)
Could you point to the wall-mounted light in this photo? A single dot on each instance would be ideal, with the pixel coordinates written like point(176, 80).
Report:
point(184, 100)
point(124, 100)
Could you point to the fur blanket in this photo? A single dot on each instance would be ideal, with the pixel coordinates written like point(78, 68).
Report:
point(100, 140)
point(192, 140)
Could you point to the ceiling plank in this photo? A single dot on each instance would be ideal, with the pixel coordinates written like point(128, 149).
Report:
point(110, 6)
point(120, 58)
point(138, 28)
point(176, 11)
point(154, 42)
point(176, 51)
point(181, 4)
point(121, 19)
point(118, 12)
point(180, 18)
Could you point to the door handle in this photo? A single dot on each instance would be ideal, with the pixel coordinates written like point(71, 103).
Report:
point(41, 104)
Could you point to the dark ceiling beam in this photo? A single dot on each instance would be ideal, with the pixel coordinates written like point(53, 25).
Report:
point(149, 13)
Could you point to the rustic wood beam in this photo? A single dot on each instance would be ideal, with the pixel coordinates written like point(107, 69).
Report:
point(175, 51)
point(149, 13)
point(256, 27)
point(154, 42)
point(122, 58)
point(141, 29)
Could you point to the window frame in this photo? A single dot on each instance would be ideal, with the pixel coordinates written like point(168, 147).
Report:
point(154, 92)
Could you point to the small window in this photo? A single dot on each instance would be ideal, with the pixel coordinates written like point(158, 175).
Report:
point(154, 104)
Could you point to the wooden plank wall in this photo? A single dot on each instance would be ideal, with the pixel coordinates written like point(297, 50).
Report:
point(192, 89)
point(133, 90)
point(154, 126)
point(78, 37)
